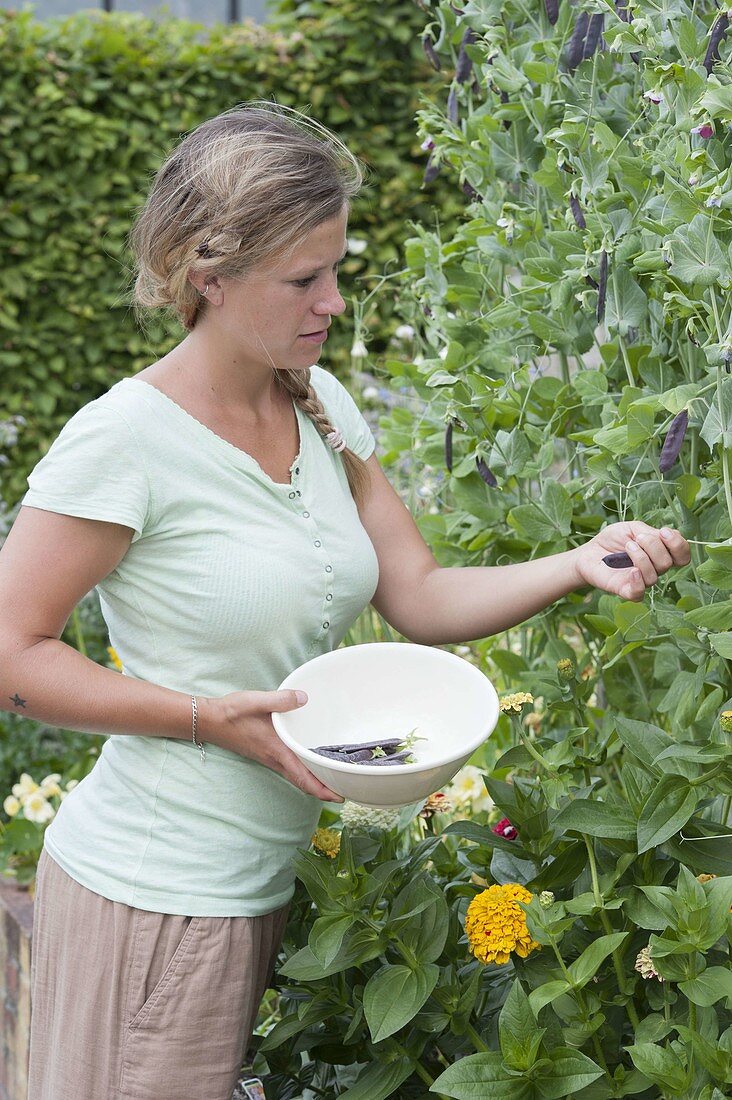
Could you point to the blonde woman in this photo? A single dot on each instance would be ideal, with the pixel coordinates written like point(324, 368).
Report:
point(227, 504)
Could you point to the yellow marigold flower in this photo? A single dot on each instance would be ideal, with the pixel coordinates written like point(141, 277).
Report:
point(725, 721)
point(114, 658)
point(515, 702)
point(327, 841)
point(495, 925)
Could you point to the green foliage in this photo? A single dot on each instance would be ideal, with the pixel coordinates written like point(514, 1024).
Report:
point(92, 103)
point(582, 304)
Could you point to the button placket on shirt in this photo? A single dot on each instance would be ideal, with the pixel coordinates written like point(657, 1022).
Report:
point(294, 495)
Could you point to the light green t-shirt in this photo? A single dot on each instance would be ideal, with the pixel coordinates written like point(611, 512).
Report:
point(230, 582)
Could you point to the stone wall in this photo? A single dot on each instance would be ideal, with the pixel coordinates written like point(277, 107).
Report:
point(16, 930)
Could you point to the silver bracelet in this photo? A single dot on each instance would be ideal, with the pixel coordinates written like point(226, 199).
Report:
point(195, 720)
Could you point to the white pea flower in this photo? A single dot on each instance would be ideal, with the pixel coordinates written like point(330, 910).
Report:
point(49, 785)
point(11, 805)
point(37, 808)
point(370, 391)
point(356, 245)
point(358, 351)
point(443, 352)
point(404, 332)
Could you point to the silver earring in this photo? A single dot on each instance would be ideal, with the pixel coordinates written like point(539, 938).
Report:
point(205, 291)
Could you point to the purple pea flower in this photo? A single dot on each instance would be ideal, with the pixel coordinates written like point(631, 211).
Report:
point(706, 130)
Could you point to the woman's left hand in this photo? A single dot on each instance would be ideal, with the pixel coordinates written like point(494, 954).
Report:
point(652, 551)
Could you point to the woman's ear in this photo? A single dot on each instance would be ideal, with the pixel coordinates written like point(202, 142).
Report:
point(209, 288)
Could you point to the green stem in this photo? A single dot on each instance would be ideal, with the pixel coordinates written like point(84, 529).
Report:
point(419, 1068)
point(593, 872)
point(477, 1041)
point(617, 961)
point(727, 804)
point(532, 752)
point(666, 1005)
point(708, 775)
point(628, 371)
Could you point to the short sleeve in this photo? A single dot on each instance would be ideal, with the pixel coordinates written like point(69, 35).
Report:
point(94, 469)
point(344, 412)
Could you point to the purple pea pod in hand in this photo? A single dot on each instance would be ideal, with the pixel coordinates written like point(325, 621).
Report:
point(448, 447)
point(618, 561)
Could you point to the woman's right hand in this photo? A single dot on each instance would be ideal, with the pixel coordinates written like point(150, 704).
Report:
point(242, 722)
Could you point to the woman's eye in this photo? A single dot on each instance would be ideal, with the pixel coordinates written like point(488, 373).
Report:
point(306, 282)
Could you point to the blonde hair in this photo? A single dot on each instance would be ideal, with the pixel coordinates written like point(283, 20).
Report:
point(242, 190)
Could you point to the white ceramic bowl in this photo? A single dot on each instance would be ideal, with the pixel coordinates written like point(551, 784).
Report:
point(384, 689)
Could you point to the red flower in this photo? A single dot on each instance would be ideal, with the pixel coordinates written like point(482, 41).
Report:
point(505, 829)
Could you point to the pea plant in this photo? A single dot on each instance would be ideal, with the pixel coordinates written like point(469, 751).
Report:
point(570, 356)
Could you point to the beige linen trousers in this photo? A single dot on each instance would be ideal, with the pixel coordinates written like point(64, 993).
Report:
point(128, 1004)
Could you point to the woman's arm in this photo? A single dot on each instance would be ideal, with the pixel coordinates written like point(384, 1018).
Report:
point(435, 605)
point(462, 604)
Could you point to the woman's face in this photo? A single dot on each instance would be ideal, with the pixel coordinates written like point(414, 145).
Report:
point(263, 317)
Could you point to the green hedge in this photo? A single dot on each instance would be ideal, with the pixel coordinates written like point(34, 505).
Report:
point(91, 104)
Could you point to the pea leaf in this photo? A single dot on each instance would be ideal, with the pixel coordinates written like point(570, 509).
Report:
point(696, 254)
point(626, 303)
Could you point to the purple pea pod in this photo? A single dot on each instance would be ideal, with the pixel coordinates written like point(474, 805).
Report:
point(471, 192)
point(330, 755)
point(594, 30)
point(396, 758)
point(432, 170)
point(552, 10)
point(486, 473)
point(464, 65)
point(673, 442)
point(388, 745)
point(361, 756)
point(448, 447)
point(576, 48)
point(618, 561)
point(719, 30)
point(452, 106)
point(577, 214)
point(430, 53)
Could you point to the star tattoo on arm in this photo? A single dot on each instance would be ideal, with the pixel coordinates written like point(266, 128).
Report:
point(17, 700)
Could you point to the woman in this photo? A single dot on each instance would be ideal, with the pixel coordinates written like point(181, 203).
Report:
point(227, 505)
